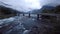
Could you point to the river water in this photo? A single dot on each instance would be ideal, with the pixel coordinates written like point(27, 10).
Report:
point(18, 29)
point(22, 25)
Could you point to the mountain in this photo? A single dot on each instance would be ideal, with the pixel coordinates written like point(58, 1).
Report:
point(6, 12)
point(40, 10)
point(53, 4)
point(47, 7)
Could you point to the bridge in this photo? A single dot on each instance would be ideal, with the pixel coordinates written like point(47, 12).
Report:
point(38, 15)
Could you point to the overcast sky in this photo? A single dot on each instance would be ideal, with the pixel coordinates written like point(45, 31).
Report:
point(26, 5)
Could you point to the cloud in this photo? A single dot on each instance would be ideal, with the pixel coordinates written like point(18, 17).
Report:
point(27, 5)
point(51, 2)
point(24, 5)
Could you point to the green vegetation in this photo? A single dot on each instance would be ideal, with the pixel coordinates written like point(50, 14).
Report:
point(55, 10)
point(6, 12)
point(53, 19)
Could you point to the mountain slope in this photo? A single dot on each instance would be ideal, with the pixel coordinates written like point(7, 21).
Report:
point(40, 10)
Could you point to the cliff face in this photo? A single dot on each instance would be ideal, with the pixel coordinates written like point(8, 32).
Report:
point(6, 12)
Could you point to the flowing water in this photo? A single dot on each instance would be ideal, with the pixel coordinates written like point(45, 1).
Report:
point(20, 25)
point(16, 28)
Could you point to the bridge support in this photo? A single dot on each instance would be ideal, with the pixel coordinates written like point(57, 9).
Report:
point(23, 14)
point(37, 16)
point(29, 15)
